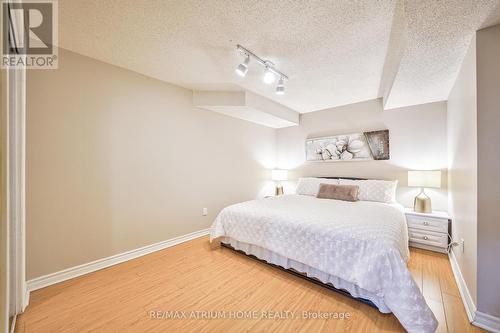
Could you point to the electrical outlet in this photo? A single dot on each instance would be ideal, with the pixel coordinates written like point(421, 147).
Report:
point(204, 212)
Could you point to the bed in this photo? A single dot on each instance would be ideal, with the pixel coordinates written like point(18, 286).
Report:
point(360, 247)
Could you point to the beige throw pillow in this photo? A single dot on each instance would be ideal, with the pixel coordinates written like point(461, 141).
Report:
point(338, 192)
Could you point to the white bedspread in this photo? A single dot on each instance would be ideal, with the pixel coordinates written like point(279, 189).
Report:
point(365, 243)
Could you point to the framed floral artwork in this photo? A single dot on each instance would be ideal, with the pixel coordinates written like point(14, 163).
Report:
point(357, 146)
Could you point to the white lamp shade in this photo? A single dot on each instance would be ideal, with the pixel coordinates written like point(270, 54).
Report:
point(277, 174)
point(424, 178)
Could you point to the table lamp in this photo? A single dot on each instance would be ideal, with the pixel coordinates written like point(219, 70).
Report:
point(423, 179)
point(279, 175)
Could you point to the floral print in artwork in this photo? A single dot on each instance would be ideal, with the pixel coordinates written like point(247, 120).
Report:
point(345, 147)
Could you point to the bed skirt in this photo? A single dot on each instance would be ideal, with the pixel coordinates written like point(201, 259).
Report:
point(279, 260)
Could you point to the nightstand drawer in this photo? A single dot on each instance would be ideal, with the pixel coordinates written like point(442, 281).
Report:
point(428, 223)
point(428, 238)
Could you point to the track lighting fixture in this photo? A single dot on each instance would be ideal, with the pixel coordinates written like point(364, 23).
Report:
point(270, 72)
point(242, 68)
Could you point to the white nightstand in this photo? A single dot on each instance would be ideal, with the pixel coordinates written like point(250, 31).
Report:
point(428, 230)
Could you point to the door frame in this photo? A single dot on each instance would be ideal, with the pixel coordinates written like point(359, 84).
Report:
point(13, 189)
point(17, 193)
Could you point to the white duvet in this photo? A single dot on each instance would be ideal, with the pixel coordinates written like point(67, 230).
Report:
point(364, 243)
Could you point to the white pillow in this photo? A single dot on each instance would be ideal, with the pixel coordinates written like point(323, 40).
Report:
point(374, 190)
point(310, 185)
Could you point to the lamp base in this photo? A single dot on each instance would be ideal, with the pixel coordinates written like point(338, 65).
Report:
point(278, 190)
point(422, 203)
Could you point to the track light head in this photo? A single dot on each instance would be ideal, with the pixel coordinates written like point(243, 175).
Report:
point(268, 76)
point(242, 68)
point(280, 88)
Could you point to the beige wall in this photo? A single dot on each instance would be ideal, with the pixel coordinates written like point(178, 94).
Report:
point(417, 141)
point(117, 160)
point(462, 165)
point(488, 156)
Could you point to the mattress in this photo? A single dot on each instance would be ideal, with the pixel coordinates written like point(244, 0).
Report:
point(363, 244)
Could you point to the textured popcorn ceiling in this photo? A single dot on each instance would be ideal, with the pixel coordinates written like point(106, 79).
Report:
point(438, 34)
point(335, 52)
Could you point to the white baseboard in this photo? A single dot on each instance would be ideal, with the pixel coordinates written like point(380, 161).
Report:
point(470, 307)
point(26, 299)
point(12, 328)
point(477, 318)
point(73, 272)
point(487, 322)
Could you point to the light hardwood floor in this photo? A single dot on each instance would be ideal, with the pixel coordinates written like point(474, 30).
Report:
point(192, 277)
